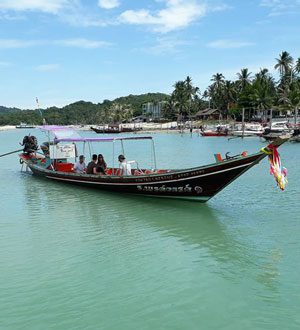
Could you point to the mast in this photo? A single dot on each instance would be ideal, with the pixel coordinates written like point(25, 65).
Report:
point(40, 111)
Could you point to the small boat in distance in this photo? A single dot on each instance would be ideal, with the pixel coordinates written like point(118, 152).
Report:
point(276, 129)
point(57, 157)
point(219, 130)
point(296, 135)
point(24, 125)
point(249, 129)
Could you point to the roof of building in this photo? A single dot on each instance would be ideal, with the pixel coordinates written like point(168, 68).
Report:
point(207, 112)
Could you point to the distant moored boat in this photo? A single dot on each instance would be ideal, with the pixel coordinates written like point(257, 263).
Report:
point(24, 125)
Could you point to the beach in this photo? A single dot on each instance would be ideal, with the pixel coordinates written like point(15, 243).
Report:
point(7, 127)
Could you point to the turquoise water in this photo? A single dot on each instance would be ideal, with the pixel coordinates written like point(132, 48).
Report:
point(74, 258)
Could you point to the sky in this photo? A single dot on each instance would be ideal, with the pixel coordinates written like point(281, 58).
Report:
point(63, 51)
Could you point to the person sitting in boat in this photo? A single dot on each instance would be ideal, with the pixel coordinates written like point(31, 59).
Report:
point(101, 165)
point(30, 144)
point(125, 167)
point(80, 167)
point(91, 168)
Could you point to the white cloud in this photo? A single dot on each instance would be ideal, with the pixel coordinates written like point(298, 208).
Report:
point(166, 45)
point(16, 43)
point(48, 6)
point(47, 67)
point(83, 43)
point(9, 17)
point(108, 4)
point(227, 44)
point(280, 7)
point(69, 11)
point(77, 18)
point(177, 14)
point(79, 43)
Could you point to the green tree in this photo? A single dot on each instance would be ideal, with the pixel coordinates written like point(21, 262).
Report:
point(244, 79)
point(291, 99)
point(284, 63)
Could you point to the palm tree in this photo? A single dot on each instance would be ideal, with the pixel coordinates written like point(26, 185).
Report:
point(180, 96)
point(120, 112)
point(215, 91)
point(284, 63)
point(263, 74)
point(297, 66)
point(169, 109)
point(218, 80)
point(229, 93)
point(244, 78)
point(291, 99)
point(262, 96)
point(191, 92)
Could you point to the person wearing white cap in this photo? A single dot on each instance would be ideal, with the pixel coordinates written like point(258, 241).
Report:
point(124, 166)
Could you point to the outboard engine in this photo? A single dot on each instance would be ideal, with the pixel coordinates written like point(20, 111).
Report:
point(267, 131)
point(296, 132)
point(30, 144)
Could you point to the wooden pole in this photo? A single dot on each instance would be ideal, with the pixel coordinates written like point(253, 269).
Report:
point(243, 123)
point(12, 152)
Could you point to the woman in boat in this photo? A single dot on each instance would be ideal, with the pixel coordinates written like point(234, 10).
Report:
point(101, 165)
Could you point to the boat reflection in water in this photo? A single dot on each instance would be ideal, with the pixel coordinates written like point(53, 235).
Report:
point(96, 247)
point(132, 219)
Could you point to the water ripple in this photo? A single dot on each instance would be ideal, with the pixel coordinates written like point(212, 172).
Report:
point(79, 258)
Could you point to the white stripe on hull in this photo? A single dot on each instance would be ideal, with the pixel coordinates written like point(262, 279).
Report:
point(145, 183)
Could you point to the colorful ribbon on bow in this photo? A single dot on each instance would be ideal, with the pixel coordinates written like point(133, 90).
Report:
point(279, 172)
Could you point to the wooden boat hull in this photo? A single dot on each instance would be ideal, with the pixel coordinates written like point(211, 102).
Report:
point(295, 138)
point(200, 183)
point(209, 134)
point(271, 136)
point(106, 130)
point(114, 130)
point(247, 133)
point(25, 127)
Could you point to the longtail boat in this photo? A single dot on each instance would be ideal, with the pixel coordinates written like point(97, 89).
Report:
point(197, 183)
point(218, 131)
point(213, 133)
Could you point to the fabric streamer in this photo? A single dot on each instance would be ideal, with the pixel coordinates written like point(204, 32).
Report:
point(279, 172)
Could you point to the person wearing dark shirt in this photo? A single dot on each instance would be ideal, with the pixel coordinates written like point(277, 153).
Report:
point(101, 165)
point(91, 168)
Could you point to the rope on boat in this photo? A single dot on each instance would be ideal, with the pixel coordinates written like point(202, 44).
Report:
point(11, 152)
point(234, 137)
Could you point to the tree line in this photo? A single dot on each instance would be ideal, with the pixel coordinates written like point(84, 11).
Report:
point(259, 91)
point(119, 110)
point(251, 91)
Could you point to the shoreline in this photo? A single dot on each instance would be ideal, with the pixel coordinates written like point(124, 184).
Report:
point(7, 127)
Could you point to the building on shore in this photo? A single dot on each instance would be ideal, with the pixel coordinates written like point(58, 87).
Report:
point(208, 114)
point(153, 110)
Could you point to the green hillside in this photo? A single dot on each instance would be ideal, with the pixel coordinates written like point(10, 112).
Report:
point(82, 112)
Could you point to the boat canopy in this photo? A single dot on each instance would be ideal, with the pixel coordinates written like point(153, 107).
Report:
point(66, 134)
